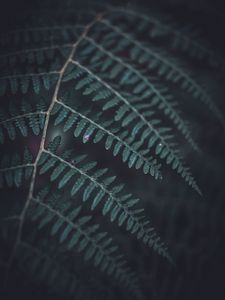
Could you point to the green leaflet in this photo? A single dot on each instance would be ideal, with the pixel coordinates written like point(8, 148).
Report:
point(66, 178)
point(61, 116)
point(82, 245)
point(122, 218)
point(110, 104)
point(56, 226)
point(114, 213)
point(97, 199)
point(107, 206)
point(89, 253)
point(121, 112)
point(48, 165)
point(57, 171)
point(78, 184)
point(65, 233)
point(80, 126)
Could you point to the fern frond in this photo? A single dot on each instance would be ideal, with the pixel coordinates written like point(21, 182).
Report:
point(183, 38)
point(113, 66)
point(95, 87)
point(167, 68)
point(36, 35)
point(15, 83)
point(47, 268)
point(88, 126)
point(16, 169)
point(24, 117)
point(100, 190)
point(103, 78)
point(37, 56)
point(76, 232)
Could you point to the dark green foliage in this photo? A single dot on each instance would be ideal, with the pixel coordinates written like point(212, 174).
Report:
point(16, 169)
point(88, 126)
point(24, 117)
point(143, 88)
point(158, 137)
point(153, 59)
point(22, 82)
point(98, 189)
point(77, 232)
point(94, 95)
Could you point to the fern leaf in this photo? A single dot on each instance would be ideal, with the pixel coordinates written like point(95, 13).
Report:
point(77, 232)
point(119, 141)
point(151, 133)
point(83, 176)
point(15, 170)
point(23, 118)
point(184, 38)
point(22, 82)
point(45, 266)
point(142, 87)
point(167, 68)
